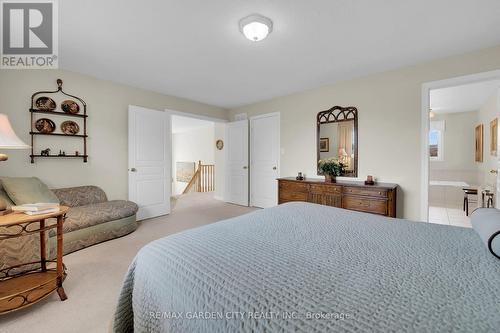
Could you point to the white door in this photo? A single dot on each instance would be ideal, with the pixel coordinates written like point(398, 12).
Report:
point(237, 162)
point(149, 134)
point(264, 160)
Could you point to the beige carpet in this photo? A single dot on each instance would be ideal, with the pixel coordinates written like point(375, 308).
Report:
point(95, 274)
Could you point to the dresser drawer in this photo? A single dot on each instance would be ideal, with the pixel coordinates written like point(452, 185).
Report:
point(290, 196)
point(327, 189)
point(365, 205)
point(372, 192)
point(293, 191)
point(293, 187)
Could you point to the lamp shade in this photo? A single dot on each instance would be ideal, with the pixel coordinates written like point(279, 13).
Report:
point(9, 139)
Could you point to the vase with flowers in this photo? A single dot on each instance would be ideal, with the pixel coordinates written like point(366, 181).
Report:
point(331, 168)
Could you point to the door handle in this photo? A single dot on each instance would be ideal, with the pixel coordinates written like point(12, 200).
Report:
point(494, 171)
point(274, 168)
point(245, 167)
point(133, 170)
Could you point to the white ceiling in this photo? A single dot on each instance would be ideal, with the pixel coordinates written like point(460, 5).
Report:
point(185, 124)
point(193, 49)
point(470, 97)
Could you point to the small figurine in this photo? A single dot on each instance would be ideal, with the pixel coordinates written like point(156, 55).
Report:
point(369, 181)
point(300, 176)
point(77, 153)
point(60, 152)
point(63, 153)
point(45, 152)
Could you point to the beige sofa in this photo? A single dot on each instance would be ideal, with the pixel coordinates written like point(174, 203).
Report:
point(92, 218)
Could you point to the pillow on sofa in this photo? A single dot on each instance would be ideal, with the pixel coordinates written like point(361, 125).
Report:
point(5, 198)
point(25, 190)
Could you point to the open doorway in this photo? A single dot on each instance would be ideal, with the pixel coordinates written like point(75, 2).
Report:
point(197, 161)
point(462, 150)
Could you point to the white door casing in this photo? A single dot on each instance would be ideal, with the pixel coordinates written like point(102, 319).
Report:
point(149, 134)
point(264, 160)
point(425, 124)
point(497, 205)
point(237, 162)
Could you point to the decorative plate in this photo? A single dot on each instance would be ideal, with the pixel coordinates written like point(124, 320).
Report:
point(70, 106)
point(70, 127)
point(45, 103)
point(219, 144)
point(45, 125)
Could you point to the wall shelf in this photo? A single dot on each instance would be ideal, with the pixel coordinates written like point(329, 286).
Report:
point(33, 110)
point(59, 113)
point(59, 156)
point(60, 134)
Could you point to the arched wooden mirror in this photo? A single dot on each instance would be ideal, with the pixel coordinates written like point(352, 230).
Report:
point(337, 136)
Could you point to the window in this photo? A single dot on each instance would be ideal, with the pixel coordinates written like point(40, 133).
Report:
point(436, 141)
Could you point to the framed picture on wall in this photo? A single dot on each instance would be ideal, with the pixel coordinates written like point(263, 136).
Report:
point(184, 171)
point(324, 145)
point(479, 142)
point(494, 137)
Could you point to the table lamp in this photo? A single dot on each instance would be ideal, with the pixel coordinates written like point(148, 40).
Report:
point(343, 156)
point(8, 140)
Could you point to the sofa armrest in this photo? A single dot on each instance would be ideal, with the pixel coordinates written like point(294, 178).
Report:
point(80, 196)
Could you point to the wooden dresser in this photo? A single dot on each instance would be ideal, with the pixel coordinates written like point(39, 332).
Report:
point(376, 199)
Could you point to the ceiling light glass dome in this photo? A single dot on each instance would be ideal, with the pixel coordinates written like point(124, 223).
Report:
point(256, 27)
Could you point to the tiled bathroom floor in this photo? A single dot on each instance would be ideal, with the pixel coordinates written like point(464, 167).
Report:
point(449, 215)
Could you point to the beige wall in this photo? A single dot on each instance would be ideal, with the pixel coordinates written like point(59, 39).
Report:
point(107, 128)
point(458, 139)
point(389, 121)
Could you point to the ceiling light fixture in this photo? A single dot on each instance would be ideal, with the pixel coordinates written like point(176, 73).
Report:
point(256, 27)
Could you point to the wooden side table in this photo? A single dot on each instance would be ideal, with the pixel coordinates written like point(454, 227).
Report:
point(20, 290)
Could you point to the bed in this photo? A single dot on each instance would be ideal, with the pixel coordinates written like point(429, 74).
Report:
point(303, 267)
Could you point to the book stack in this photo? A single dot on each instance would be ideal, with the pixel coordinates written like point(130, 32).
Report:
point(37, 208)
